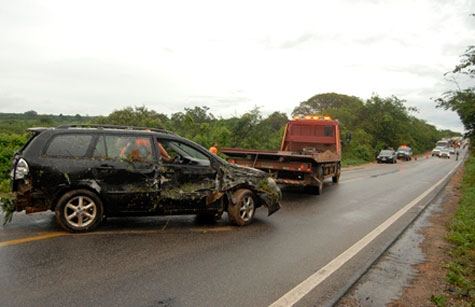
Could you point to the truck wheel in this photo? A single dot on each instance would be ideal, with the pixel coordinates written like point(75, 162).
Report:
point(242, 211)
point(336, 178)
point(79, 211)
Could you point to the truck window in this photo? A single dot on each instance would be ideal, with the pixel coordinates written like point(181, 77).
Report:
point(328, 131)
point(302, 130)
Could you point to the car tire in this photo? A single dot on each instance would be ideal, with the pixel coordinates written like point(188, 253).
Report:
point(242, 207)
point(79, 211)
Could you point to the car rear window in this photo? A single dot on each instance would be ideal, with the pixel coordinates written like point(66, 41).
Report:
point(69, 145)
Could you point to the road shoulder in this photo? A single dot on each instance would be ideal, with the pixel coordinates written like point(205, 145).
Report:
point(410, 272)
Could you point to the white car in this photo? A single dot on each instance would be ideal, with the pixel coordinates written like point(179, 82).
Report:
point(436, 151)
point(444, 153)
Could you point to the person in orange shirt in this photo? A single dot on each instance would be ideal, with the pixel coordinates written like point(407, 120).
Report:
point(138, 153)
point(214, 148)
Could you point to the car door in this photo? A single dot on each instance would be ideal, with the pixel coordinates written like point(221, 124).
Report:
point(126, 168)
point(187, 179)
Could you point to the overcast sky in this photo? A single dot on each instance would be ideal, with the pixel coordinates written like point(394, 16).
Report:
point(94, 57)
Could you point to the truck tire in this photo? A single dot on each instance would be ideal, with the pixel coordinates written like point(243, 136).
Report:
point(242, 211)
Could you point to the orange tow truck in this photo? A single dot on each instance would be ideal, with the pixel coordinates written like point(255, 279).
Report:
point(310, 153)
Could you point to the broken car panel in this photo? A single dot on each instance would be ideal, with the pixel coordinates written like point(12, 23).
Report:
point(84, 173)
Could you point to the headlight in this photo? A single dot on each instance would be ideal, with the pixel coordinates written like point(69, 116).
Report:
point(21, 169)
point(272, 183)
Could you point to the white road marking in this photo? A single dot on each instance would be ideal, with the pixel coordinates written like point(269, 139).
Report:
point(302, 289)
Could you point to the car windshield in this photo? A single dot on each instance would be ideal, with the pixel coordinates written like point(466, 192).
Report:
point(385, 152)
point(403, 149)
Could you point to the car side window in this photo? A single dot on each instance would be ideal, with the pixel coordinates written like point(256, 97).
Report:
point(69, 145)
point(130, 148)
point(179, 153)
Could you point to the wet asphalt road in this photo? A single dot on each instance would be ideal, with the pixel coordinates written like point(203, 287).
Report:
point(176, 261)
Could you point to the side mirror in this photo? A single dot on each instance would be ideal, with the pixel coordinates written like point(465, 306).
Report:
point(348, 137)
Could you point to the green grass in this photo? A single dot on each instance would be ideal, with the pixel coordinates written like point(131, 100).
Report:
point(439, 300)
point(462, 236)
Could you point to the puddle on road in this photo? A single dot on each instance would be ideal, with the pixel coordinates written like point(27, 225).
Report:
point(386, 279)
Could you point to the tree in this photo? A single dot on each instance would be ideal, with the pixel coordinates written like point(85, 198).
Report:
point(342, 107)
point(137, 116)
point(31, 114)
point(45, 119)
point(387, 120)
point(461, 100)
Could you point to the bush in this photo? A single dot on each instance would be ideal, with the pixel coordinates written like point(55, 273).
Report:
point(9, 143)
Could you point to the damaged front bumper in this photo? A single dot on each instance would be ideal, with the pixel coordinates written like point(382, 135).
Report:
point(270, 195)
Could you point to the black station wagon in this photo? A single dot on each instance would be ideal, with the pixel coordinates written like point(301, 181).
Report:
point(86, 172)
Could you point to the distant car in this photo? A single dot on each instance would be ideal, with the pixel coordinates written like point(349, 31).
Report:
point(404, 152)
point(436, 151)
point(387, 155)
point(444, 153)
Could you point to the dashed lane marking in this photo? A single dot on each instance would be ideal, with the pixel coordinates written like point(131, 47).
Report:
point(116, 232)
point(35, 238)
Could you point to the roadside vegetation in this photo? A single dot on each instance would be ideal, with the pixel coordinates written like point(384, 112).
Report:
point(461, 229)
point(462, 236)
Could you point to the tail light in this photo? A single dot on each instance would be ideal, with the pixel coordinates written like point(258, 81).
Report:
point(21, 169)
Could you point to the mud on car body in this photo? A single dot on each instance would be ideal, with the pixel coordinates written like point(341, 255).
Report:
point(86, 172)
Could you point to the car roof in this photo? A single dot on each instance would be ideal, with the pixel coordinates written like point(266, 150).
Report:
point(109, 128)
